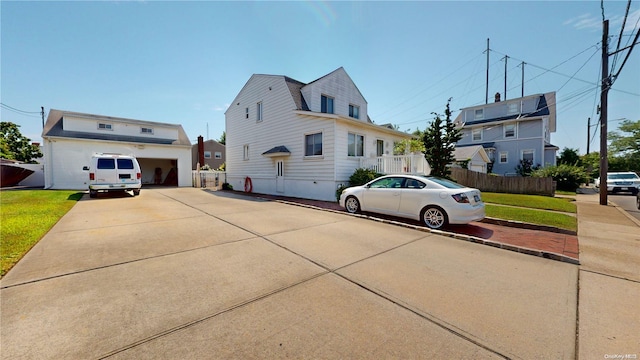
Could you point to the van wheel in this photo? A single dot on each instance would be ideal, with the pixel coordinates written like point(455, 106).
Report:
point(93, 194)
point(136, 192)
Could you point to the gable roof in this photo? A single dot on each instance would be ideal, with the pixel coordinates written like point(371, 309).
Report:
point(294, 88)
point(340, 69)
point(54, 128)
point(469, 152)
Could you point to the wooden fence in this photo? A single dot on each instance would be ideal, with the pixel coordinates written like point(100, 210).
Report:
point(504, 184)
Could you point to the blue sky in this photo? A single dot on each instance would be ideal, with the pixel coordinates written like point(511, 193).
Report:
point(184, 62)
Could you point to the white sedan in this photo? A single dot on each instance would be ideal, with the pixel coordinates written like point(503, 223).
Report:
point(434, 201)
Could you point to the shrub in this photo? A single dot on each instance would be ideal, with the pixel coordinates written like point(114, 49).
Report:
point(362, 176)
point(339, 191)
point(567, 177)
point(227, 186)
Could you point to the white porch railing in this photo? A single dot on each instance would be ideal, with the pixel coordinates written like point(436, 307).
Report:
point(208, 179)
point(398, 164)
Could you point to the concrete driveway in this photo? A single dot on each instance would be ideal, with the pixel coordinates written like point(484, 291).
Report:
point(186, 273)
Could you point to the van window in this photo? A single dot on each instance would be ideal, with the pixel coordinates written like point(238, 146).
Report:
point(125, 164)
point(106, 164)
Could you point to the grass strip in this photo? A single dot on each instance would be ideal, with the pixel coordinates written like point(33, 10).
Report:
point(26, 216)
point(539, 217)
point(531, 201)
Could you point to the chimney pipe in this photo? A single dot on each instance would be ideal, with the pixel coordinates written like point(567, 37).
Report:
point(497, 97)
point(201, 150)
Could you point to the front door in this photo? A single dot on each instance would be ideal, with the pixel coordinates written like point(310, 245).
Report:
point(280, 176)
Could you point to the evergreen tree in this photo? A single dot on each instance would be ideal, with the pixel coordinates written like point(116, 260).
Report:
point(440, 140)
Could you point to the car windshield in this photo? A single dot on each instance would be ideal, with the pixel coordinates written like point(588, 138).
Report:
point(444, 182)
point(622, 176)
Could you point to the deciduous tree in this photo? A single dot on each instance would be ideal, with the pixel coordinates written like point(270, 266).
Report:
point(15, 146)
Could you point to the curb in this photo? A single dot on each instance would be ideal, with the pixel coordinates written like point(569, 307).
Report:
point(469, 238)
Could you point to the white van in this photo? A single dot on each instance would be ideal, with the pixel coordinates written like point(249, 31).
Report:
point(114, 172)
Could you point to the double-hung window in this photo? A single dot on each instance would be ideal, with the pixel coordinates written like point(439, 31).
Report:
point(356, 145)
point(354, 111)
point(528, 155)
point(313, 144)
point(326, 104)
point(509, 130)
point(479, 114)
point(476, 134)
point(504, 157)
point(207, 154)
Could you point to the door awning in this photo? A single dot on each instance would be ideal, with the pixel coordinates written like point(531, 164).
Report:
point(277, 151)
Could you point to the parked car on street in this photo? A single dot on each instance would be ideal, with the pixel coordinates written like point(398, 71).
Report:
point(621, 182)
point(434, 201)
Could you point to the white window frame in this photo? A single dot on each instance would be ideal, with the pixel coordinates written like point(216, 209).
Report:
point(218, 155)
point(245, 155)
point(354, 111)
point(207, 154)
point(306, 155)
point(146, 130)
point(474, 132)
point(259, 111)
point(506, 157)
point(355, 153)
point(478, 114)
point(105, 126)
point(246, 113)
point(327, 109)
point(528, 151)
point(515, 131)
point(379, 147)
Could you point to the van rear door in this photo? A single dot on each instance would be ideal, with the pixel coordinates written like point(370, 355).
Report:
point(106, 171)
point(127, 171)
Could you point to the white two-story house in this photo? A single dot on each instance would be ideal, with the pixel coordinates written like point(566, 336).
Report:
point(512, 130)
point(285, 137)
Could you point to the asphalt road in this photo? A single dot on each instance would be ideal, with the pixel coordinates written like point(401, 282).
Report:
point(627, 202)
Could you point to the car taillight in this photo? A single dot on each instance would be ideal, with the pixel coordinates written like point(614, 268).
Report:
point(461, 198)
point(138, 175)
point(92, 176)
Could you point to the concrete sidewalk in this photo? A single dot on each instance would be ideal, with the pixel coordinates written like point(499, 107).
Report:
point(609, 294)
point(184, 273)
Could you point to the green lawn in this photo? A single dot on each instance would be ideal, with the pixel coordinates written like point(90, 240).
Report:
point(532, 216)
point(531, 201)
point(25, 216)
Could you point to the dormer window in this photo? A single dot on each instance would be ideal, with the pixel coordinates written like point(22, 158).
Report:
point(145, 130)
point(479, 114)
point(326, 104)
point(512, 108)
point(104, 126)
point(354, 111)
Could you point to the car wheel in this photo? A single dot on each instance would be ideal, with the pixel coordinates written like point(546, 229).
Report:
point(93, 194)
point(638, 202)
point(352, 205)
point(136, 192)
point(434, 217)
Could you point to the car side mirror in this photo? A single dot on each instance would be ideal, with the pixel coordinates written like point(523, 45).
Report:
point(85, 168)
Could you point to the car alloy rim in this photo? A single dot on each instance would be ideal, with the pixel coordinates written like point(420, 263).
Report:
point(352, 205)
point(434, 218)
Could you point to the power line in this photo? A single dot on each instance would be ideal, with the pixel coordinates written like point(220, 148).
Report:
point(21, 112)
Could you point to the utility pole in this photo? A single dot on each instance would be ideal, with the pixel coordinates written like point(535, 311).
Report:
point(522, 93)
point(588, 133)
point(42, 113)
point(506, 58)
point(604, 162)
point(486, 94)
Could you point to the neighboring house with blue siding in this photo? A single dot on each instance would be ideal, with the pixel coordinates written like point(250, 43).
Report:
point(512, 130)
point(286, 137)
